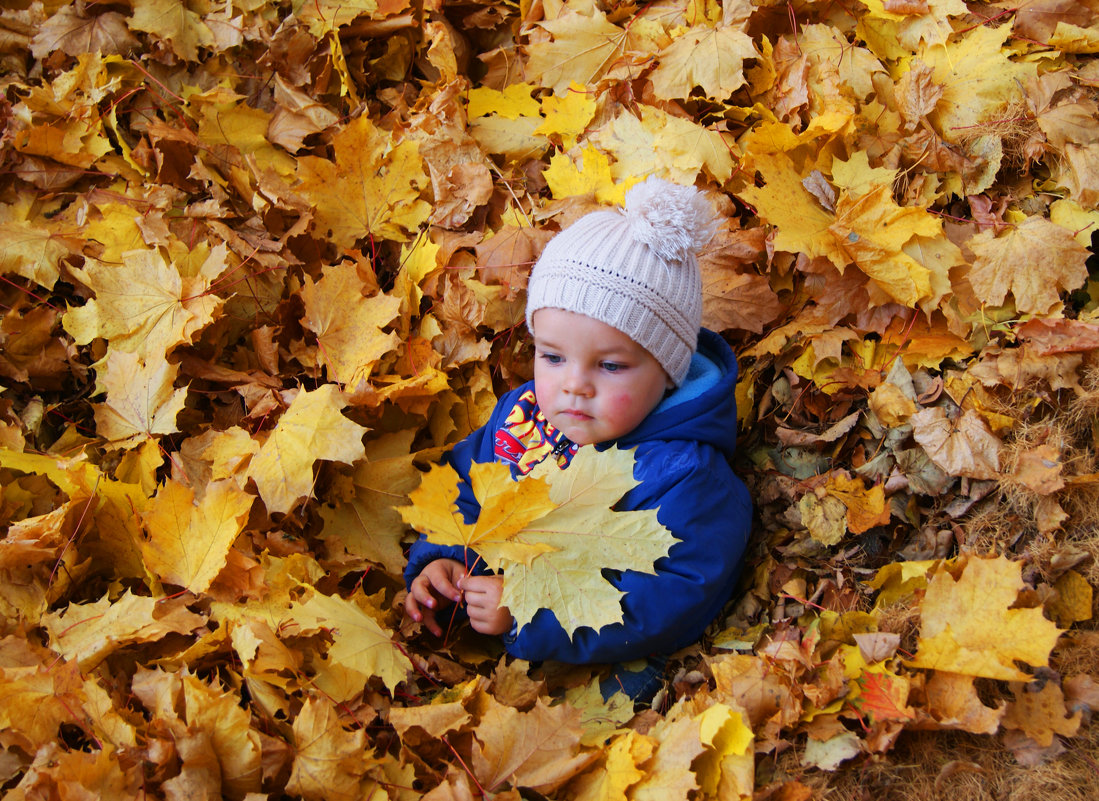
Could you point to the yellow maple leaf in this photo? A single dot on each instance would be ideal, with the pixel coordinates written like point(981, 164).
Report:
point(711, 58)
point(227, 124)
point(622, 768)
point(328, 16)
point(866, 229)
point(359, 643)
point(968, 624)
point(144, 305)
point(217, 713)
point(141, 400)
point(1041, 713)
point(726, 769)
point(567, 117)
point(513, 102)
point(180, 28)
point(371, 187)
point(368, 524)
point(591, 177)
point(89, 633)
point(909, 24)
point(1006, 263)
point(347, 324)
point(679, 742)
point(583, 48)
point(311, 429)
point(329, 759)
point(586, 535)
point(953, 702)
point(507, 506)
point(665, 143)
point(979, 81)
point(539, 748)
point(33, 248)
point(35, 701)
point(189, 540)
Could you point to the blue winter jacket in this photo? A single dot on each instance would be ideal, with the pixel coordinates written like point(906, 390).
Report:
point(684, 447)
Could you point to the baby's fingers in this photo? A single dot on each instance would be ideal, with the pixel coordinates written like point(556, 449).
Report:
point(424, 614)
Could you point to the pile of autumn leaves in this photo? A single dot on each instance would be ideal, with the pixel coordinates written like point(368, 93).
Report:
point(262, 265)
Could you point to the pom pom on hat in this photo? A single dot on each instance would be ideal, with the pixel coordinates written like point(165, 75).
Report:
point(674, 221)
point(634, 269)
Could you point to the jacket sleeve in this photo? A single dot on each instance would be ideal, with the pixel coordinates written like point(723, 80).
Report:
point(705, 506)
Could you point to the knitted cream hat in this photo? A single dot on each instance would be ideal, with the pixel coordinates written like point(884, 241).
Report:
point(634, 269)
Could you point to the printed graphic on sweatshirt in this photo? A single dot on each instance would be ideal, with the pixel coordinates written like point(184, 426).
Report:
point(527, 437)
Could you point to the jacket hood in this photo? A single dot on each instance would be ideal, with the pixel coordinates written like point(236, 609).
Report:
point(703, 407)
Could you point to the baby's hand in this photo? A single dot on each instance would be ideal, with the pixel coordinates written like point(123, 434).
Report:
point(435, 588)
point(482, 595)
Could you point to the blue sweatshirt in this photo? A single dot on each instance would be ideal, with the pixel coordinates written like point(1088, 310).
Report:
point(684, 447)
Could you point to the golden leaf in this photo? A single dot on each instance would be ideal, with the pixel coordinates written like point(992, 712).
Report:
point(583, 48)
point(567, 117)
point(359, 642)
point(144, 305)
point(507, 507)
point(347, 324)
point(1041, 713)
point(174, 23)
point(141, 399)
point(711, 58)
point(329, 760)
point(189, 541)
point(311, 429)
point(89, 633)
point(969, 626)
point(371, 188)
point(1006, 263)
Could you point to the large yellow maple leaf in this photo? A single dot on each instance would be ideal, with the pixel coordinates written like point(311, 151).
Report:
point(347, 324)
point(180, 28)
point(550, 534)
point(141, 400)
point(89, 633)
point(371, 187)
point(329, 759)
point(1006, 263)
point(711, 58)
point(979, 81)
point(188, 540)
point(969, 625)
point(311, 429)
point(359, 642)
point(144, 305)
point(583, 48)
point(507, 506)
point(586, 535)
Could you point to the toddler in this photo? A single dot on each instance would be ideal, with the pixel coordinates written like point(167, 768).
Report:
point(614, 305)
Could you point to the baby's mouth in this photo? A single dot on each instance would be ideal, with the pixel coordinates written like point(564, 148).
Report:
point(576, 414)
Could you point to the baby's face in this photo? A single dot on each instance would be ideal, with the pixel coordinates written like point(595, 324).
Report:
point(593, 382)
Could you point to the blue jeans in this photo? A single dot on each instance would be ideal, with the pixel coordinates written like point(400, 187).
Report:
point(639, 680)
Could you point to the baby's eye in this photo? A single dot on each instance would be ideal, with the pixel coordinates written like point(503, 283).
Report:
point(550, 358)
point(613, 367)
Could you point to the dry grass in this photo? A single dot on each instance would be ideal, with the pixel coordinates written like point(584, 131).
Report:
point(946, 766)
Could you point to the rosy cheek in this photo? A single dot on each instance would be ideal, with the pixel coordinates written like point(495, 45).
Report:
point(622, 404)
